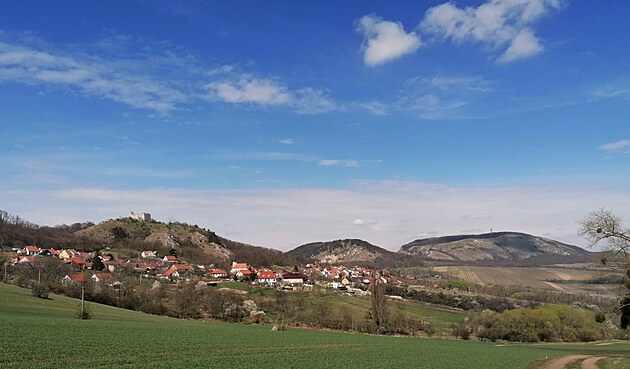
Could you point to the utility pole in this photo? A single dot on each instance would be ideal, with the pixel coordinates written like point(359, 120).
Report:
point(5, 272)
point(39, 281)
point(83, 301)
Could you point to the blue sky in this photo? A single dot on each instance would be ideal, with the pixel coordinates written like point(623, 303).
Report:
point(285, 122)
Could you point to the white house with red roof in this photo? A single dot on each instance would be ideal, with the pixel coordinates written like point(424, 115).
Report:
point(27, 259)
point(106, 278)
point(170, 259)
point(236, 267)
point(149, 254)
point(29, 251)
point(218, 273)
point(243, 273)
point(75, 278)
point(177, 271)
point(268, 277)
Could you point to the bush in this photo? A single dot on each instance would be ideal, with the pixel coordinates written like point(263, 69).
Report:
point(544, 324)
point(462, 330)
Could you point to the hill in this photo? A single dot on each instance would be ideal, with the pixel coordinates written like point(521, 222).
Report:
point(130, 236)
point(191, 242)
point(496, 248)
point(349, 251)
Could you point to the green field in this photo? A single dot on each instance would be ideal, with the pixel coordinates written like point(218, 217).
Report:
point(37, 333)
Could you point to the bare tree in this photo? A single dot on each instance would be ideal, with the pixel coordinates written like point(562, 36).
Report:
point(603, 225)
point(378, 300)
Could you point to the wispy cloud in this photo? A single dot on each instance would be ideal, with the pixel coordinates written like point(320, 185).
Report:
point(451, 83)
point(338, 163)
point(496, 23)
point(88, 75)
point(384, 41)
point(430, 106)
point(366, 223)
point(151, 76)
point(616, 146)
point(286, 141)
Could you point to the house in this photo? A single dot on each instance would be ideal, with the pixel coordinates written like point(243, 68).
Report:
point(243, 273)
point(294, 279)
point(236, 267)
point(48, 252)
point(68, 253)
point(30, 251)
point(27, 259)
point(149, 254)
point(268, 277)
point(76, 261)
point(75, 278)
point(110, 265)
point(170, 259)
point(105, 278)
point(218, 273)
point(177, 271)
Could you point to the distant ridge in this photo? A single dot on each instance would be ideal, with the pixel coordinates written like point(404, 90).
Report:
point(496, 248)
point(347, 251)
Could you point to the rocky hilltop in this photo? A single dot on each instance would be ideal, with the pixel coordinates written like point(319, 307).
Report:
point(348, 251)
point(193, 243)
point(496, 248)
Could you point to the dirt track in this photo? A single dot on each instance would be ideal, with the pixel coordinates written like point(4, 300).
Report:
point(561, 362)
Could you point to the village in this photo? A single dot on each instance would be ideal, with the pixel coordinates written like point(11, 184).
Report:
point(103, 269)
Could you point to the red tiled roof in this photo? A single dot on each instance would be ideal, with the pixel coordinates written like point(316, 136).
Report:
point(181, 267)
point(32, 248)
point(218, 271)
point(240, 266)
point(171, 257)
point(103, 276)
point(246, 272)
point(78, 277)
point(77, 261)
point(267, 274)
point(168, 273)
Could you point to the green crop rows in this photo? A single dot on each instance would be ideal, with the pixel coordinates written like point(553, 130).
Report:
point(38, 333)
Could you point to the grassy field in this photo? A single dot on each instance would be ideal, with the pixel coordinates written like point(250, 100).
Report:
point(37, 333)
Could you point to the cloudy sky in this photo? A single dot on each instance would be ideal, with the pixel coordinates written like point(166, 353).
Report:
point(280, 123)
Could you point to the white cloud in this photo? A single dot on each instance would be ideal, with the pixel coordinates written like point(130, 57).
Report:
point(338, 163)
point(385, 41)
point(371, 224)
point(263, 92)
point(524, 45)
point(496, 23)
point(246, 89)
point(92, 76)
point(277, 217)
point(615, 146)
point(286, 141)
